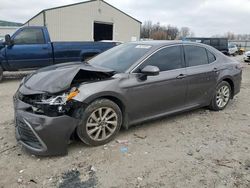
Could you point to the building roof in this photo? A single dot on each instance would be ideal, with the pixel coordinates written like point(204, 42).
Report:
point(9, 24)
point(79, 4)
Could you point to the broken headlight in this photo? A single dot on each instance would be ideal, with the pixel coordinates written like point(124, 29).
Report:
point(54, 105)
point(59, 99)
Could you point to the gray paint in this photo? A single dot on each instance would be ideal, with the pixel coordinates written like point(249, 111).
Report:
point(153, 97)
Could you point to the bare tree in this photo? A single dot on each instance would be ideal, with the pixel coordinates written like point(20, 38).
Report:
point(172, 32)
point(184, 32)
point(159, 35)
point(230, 35)
point(161, 32)
point(146, 29)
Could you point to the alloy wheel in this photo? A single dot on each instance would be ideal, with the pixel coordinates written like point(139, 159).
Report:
point(222, 96)
point(102, 123)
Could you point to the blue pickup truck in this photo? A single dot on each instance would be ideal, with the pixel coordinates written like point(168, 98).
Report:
point(31, 48)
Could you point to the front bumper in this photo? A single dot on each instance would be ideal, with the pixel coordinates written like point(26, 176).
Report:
point(40, 134)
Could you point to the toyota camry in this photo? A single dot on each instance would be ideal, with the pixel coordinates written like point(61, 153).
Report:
point(128, 84)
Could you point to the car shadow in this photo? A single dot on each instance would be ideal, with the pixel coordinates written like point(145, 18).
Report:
point(77, 145)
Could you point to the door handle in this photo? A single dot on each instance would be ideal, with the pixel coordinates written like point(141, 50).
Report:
point(181, 76)
point(45, 48)
point(216, 70)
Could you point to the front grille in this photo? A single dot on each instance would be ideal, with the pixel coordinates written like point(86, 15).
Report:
point(29, 99)
point(27, 136)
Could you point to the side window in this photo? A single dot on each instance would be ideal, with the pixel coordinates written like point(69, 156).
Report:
point(30, 36)
point(195, 55)
point(168, 58)
point(211, 57)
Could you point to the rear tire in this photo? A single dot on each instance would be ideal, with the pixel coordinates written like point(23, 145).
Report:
point(100, 123)
point(221, 97)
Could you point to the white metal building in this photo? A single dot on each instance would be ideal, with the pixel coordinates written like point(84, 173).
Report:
point(4, 30)
point(93, 20)
point(7, 27)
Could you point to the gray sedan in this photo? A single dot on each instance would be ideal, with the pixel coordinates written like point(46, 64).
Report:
point(126, 85)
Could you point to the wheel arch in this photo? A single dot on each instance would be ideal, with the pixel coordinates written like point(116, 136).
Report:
point(117, 99)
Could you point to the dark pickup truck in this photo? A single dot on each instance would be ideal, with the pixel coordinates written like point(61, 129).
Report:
point(220, 44)
point(31, 48)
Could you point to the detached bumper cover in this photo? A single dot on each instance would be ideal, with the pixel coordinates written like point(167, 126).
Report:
point(42, 135)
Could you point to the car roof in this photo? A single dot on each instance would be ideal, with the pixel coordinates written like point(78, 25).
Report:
point(159, 43)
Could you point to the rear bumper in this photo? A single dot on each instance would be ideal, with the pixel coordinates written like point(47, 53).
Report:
point(42, 135)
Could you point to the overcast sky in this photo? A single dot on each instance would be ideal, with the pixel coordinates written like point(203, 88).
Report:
point(204, 17)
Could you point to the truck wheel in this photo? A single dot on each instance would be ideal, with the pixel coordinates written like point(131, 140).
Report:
point(100, 123)
point(1, 73)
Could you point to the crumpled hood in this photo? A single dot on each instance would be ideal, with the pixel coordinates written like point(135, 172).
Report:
point(56, 78)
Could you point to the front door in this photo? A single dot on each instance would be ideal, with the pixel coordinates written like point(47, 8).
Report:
point(157, 95)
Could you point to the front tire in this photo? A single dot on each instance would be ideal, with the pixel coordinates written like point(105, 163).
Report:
point(221, 97)
point(100, 123)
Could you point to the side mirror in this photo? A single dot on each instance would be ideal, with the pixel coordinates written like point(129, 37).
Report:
point(150, 70)
point(8, 40)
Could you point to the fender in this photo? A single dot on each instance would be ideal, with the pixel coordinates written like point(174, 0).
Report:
point(224, 74)
point(115, 97)
point(105, 94)
point(230, 80)
point(225, 77)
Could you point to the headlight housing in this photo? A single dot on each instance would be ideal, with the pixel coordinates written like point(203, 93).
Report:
point(60, 99)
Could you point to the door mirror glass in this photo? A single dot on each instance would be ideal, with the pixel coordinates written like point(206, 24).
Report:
point(150, 70)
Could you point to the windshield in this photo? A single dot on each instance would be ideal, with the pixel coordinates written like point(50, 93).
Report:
point(122, 57)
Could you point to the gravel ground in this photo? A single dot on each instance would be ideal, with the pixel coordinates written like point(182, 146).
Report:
point(200, 148)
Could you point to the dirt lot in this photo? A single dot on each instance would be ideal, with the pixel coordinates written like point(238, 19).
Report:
point(195, 149)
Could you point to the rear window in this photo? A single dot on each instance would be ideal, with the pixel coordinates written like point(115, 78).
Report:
point(195, 55)
point(211, 57)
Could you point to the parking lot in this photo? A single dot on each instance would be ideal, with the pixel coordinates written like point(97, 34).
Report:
point(200, 148)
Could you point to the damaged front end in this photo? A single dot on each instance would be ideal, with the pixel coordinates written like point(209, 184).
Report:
point(46, 113)
point(45, 123)
point(52, 105)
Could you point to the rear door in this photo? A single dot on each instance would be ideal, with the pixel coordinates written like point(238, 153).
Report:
point(201, 74)
point(157, 95)
point(29, 50)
